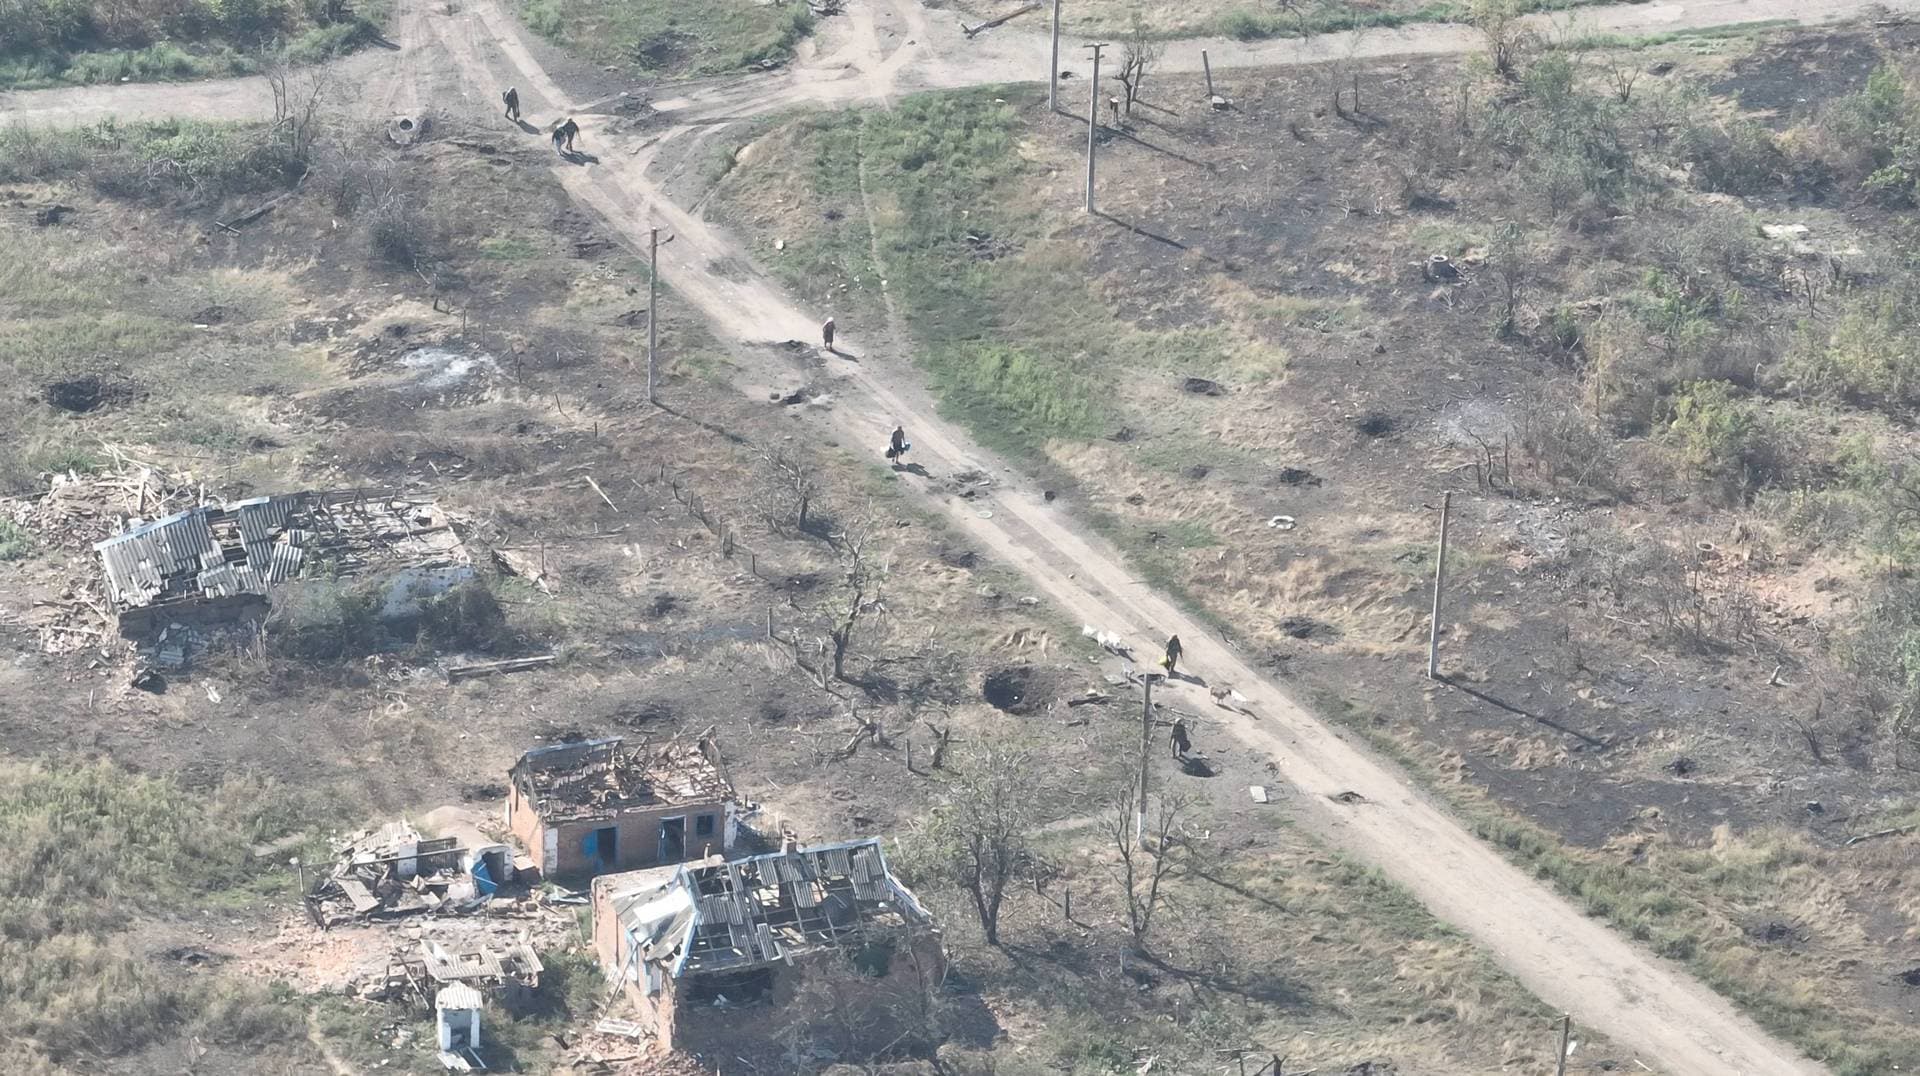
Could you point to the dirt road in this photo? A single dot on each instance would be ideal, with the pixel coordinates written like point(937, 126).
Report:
point(885, 46)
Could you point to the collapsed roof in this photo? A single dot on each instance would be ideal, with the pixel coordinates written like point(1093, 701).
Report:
point(597, 778)
point(213, 552)
point(708, 917)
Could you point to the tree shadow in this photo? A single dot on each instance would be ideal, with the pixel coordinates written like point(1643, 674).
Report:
point(1139, 231)
point(1538, 719)
point(1121, 132)
point(1266, 989)
point(710, 427)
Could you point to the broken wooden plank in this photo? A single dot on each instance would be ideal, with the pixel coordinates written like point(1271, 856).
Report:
point(1897, 831)
point(363, 899)
point(602, 493)
point(997, 20)
point(510, 665)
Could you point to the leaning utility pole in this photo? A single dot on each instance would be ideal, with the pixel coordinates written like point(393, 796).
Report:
point(1093, 123)
point(1439, 586)
point(1146, 752)
point(653, 309)
point(1053, 67)
point(1566, 1031)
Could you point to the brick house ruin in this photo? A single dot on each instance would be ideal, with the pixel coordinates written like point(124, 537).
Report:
point(825, 942)
point(587, 808)
point(217, 564)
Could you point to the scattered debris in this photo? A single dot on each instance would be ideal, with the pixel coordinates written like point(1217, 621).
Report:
point(1439, 268)
point(49, 215)
point(1111, 641)
point(1201, 386)
point(1258, 792)
point(1294, 476)
point(393, 870)
point(1348, 797)
point(1283, 523)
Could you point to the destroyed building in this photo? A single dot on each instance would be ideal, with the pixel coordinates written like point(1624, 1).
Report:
point(690, 944)
point(601, 806)
point(218, 563)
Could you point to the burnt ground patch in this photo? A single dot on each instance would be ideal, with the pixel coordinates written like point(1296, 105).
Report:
point(85, 394)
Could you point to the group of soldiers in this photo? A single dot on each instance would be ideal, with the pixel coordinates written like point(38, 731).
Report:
point(563, 134)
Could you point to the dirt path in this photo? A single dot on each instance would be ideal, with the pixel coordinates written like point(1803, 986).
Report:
point(1568, 959)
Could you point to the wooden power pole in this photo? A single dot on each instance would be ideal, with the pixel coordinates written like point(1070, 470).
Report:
point(1146, 753)
point(1566, 1032)
point(653, 310)
point(1208, 68)
point(1439, 587)
point(1093, 123)
point(1053, 64)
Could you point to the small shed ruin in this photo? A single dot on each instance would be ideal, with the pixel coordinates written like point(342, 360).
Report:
point(688, 944)
point(600, 805)
point(458, 1009)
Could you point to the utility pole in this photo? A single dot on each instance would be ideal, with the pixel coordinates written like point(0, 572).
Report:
point(1053, 68)
point(1093, 125)
point(653, 309)
point(1208, 68)
point(1439, 585)
point(1146, 752)
point(1566, 1030)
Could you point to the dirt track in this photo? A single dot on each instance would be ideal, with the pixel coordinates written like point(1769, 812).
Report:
point(887, 46)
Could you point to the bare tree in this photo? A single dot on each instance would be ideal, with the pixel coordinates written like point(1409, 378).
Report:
point(1141, 867)
point(296, 105)
point(862, 582)
point(1139, 54)
point(795, 482)
point(977, 839)
point(1509, 39)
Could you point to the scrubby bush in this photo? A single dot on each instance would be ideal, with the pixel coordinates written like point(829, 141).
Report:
point(1866, 355)
point(1723, 443)
point(169, 160)
point(468, 616)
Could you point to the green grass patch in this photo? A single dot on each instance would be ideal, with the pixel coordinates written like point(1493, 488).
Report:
point(16, 542)
point(169, 159)
point(1018, 345)
point(92, 850)
point(664, 37)
point(1636, 42)
point(508, 249)
point(1252, 23)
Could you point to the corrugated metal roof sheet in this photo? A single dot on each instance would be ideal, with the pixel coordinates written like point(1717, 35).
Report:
point(457, 996)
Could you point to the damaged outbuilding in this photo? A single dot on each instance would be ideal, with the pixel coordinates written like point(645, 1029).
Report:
point(218, 563)
point(783, 931)
point(599, 805)
point(393, 870)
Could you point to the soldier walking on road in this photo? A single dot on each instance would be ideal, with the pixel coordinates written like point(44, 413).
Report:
point(512, 98)
point(826, 333)
point(1181, 744)
point(1172, 656)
